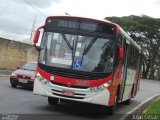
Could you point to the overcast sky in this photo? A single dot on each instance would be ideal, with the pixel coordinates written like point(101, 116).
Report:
point(17, 16)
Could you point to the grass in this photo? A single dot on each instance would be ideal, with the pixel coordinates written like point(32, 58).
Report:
point(154, 107)
point(152, 112)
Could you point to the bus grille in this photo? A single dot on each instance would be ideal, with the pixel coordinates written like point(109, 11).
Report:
point(71, 86)
point(76, 95)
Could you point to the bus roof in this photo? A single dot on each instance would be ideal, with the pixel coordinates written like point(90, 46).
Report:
point(106, 22)
point(130, 39)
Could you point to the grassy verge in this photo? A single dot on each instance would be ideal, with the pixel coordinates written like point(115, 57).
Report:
point(152, 112)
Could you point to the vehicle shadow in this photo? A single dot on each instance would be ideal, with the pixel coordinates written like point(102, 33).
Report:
point(23, 88)
point(77, 110)
point(82, 110)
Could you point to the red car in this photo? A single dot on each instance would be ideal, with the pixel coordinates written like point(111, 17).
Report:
point(24, 76)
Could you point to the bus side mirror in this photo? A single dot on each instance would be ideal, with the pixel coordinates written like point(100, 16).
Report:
point(36, 37)
point(121, 53)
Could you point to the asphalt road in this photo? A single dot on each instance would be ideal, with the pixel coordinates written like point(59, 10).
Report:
point(21, 104)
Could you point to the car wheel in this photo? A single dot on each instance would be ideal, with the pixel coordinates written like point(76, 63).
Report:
point(53, 101)
point(13, 85)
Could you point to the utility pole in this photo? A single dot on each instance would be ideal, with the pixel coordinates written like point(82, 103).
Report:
point(33, 27)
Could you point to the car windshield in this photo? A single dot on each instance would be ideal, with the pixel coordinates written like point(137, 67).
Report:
point(77, 52)
point(29, 66)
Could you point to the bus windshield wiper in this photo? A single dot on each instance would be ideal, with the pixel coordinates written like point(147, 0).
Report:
point(86, 49)
point(68, 43)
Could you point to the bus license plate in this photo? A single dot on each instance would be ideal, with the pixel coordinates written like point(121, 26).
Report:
point(68, 93)
point(22, 81)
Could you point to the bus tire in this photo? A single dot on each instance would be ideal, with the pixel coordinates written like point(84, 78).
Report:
point(53, 101)
point(127, 102)
point(13, 85)
point(111, 109)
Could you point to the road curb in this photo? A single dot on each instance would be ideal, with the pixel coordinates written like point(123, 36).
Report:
point(139, 109)
point(4, 75)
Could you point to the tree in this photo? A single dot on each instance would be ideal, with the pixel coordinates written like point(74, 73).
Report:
point(145, 31)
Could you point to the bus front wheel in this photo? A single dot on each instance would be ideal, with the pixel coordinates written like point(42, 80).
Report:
point(53, 101)
point(111, 109)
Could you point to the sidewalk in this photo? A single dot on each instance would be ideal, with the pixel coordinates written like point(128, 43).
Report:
point(5, 73)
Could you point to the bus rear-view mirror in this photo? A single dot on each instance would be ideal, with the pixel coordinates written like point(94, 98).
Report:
point(121, 53)
point(36, 36)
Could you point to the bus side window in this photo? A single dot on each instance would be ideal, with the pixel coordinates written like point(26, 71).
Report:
point(116, 56)
point(120, 41)
point(133, 57)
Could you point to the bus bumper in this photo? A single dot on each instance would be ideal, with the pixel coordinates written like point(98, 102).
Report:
point(79, 94)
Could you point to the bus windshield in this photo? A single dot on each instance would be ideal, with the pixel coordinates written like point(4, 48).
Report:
point(77, 52)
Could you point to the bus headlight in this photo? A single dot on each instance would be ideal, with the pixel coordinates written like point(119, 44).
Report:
point(101, 87)
point(39, 77)
point(43, 80)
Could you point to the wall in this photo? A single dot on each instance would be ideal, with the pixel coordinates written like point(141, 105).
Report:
point(13, 54)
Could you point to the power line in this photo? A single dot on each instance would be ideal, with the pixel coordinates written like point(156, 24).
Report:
point(34, 8)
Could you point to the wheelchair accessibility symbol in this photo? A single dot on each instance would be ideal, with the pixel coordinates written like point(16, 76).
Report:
point(77, 65)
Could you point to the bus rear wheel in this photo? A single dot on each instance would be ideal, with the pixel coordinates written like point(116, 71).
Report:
point(53, 101)
point(127, 102)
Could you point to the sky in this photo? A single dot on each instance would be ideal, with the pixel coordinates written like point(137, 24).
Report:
point(17, 16)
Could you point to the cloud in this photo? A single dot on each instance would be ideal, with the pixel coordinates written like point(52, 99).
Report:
point(43, 3)
point(157, 2)
point(38, 3)
point(16, 17)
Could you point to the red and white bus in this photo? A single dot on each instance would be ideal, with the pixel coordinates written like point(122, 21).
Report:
point(86, 60)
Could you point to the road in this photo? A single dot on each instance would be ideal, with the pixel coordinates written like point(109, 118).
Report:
point(20, 101)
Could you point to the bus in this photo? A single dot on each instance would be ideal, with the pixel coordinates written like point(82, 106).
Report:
point(86, 60)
